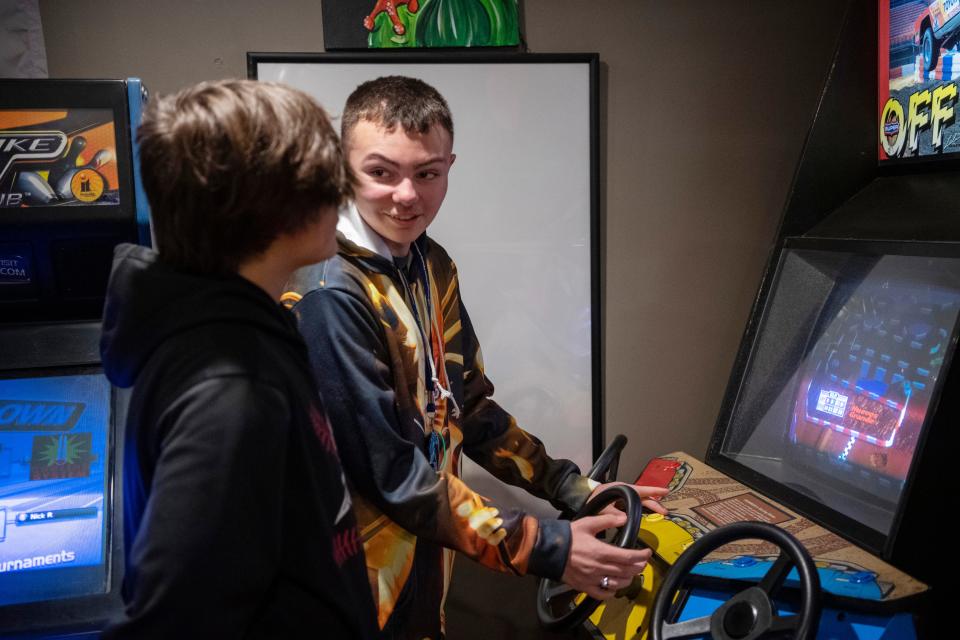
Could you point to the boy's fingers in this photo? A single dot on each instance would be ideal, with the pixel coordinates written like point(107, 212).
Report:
point(600, 594)
point(646, 491)
point(622, 557)
point(615, 571)
point(598, 523)
point(611, 509)
point(654, 506)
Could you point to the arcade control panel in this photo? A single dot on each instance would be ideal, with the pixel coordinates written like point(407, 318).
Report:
point(864, 597)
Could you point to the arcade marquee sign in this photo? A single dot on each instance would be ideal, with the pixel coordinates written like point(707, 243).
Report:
point(919, 60)
point(927, 117)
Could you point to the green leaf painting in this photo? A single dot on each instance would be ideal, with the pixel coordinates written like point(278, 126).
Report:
point(448, 23)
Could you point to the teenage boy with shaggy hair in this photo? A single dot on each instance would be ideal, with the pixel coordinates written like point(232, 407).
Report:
point(398, 362)
point(237, 520)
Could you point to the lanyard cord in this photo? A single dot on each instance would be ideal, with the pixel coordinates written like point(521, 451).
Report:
point(434, 327)
point(430, 370)
point(436, 444)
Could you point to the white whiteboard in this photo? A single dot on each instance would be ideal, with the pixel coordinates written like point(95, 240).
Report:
point(518, 219)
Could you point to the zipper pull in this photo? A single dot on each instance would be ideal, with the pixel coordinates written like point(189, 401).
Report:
point(433, 450)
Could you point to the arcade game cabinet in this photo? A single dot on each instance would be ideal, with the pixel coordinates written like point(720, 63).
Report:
point(822, 507)
point(68, 195)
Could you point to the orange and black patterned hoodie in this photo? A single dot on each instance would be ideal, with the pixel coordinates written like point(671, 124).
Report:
point(403, 415)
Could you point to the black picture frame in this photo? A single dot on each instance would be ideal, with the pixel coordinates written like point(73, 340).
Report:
point(591, 63)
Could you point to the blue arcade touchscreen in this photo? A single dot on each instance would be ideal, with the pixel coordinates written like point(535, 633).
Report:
point(54, 461)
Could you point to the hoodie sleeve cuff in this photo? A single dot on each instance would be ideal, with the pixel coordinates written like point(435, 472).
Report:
point(573, 492)
point(548, 559)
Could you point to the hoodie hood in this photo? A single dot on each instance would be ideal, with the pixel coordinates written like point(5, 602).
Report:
point(358, 239)
point(149, 302)
point(356, 231)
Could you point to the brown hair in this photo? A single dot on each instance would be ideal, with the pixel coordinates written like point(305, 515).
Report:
point(391, 100)
point(229, 166)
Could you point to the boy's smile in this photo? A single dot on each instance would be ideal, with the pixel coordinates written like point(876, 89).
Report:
point(401, 179)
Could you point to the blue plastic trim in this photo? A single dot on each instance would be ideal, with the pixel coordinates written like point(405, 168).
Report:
point(136, 98)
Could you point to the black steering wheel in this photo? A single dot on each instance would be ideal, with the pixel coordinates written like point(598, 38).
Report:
point(556, 602)
point(749, 614)
point(605, 468)
point(557, 607)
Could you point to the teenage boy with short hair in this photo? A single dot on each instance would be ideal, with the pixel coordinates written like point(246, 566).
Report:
point(400, 366)
point(237, 520)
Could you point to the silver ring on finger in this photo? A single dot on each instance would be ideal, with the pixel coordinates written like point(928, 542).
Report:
point(605, 582)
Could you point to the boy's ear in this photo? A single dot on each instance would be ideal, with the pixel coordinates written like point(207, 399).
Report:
point(453, 157)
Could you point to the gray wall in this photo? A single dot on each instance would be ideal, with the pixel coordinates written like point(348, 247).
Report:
point(705, 106)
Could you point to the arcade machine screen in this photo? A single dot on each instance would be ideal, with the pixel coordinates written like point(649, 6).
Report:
point(54, 486)
point(58, 157)
point(66, 196)
point(58, 168)
point(842, 379)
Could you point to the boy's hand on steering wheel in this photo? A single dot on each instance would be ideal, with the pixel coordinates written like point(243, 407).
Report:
point(649, 497)
point(595, 567)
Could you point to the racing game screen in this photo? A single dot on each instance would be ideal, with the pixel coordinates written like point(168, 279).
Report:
point(843, 375)
point(54, 447)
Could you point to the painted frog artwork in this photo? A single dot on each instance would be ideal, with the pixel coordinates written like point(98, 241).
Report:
point(442, 23)
point(389, 7)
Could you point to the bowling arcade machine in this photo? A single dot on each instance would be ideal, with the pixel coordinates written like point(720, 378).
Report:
point(68, 195)
point(822, 507)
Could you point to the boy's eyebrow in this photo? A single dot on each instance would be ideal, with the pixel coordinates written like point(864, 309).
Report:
point(430, 161)
point(383, 158)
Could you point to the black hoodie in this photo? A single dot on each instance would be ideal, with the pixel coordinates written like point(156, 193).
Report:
point(237, 521)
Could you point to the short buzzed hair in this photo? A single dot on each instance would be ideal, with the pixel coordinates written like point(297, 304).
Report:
point(396, 100)
point(229, 166)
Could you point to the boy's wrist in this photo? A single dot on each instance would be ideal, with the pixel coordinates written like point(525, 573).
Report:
point(573, 492)
point(548, 558)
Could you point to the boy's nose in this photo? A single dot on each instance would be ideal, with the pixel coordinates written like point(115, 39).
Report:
point(405, 193)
